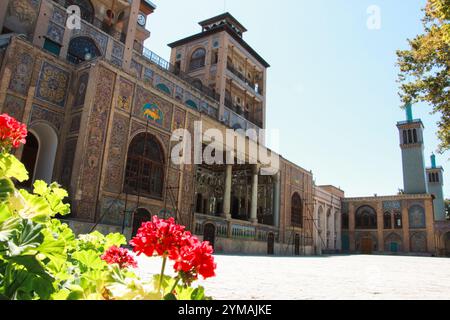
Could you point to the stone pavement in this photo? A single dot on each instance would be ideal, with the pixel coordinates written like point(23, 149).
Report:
point(329, 277)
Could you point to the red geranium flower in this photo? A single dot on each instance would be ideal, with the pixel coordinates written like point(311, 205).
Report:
point(161, 236)
point(12, 132)
point(121, 256)
point(196, 259)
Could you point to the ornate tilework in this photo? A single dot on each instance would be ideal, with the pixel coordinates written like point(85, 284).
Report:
point(21, 74)
point(58, 16)
point(22, 15)
point(95, 141)
point(178, 119)
point(116, 62)
point(419, 242)
point(115, 208)
point(136, 68)
point(117, 50)
point(55, 32)
point(39, 113)
point(52, 84)
point(144, 97)
point(117, 152)
point(75, 123)
point(125, 99)
point(392, 205)
point(416, 217)
point(80, 94)
point(69, 155)
point(14, 106)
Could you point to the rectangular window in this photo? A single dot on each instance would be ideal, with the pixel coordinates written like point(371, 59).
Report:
point(52, 47)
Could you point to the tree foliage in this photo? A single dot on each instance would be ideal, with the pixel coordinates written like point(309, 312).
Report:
point(425, 67)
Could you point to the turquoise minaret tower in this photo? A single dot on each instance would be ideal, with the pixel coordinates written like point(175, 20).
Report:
point(435, 175)
point(411, 143)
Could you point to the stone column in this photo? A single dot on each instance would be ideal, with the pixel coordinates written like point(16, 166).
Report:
point(276, 200)
point(405, 226)
point(254, 207)
point(351, 226)
point(380, 225)
point(227, 194)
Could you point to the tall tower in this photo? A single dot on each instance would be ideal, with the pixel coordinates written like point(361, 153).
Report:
point(219, 59)
point(435, 176)
point(411, 143)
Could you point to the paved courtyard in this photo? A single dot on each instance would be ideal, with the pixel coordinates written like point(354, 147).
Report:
point(335, 277)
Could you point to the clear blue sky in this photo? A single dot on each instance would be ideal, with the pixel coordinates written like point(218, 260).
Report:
point(331, 88)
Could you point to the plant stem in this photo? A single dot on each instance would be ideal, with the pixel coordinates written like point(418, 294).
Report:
point(175, 284)
point(162, 273)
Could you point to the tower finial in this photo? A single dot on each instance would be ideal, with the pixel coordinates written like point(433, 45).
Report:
point(409, 114)
point(433, 161)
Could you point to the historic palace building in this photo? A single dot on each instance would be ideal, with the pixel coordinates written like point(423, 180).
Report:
point(102, 109)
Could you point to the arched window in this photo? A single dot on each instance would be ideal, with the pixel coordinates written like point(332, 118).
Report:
point(86, 8)
point(162, 87)
point(405, 137)
point(398, 220)
point(415, 135)
point(197, 84)
point(82, 49)
point(145, 166)
point(387, 222)
point(296, 210)
point(345, 222)
point(29, 157)
point(191, 104)
point(366, 218)
point(197, 59)
point(410, 140)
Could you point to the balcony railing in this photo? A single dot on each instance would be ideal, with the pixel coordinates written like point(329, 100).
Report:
point(167, 66)
point(245, 80)
point(241, 112)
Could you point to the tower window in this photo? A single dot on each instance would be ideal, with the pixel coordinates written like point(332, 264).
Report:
point(410, 140)
point(415, 135)
point(197, 59)
point(437, 177)
point(405, 137)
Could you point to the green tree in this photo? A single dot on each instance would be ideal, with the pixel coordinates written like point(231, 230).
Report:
point(425, 67)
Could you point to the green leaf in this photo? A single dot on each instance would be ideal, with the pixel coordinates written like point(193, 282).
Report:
point(36, 208)
point(8, 228)
point(10, 167)
point(62, 294)
point(198, 294)
point(40, 187)
point(89, 258)
point(6, 189)
point(30, 237)
point(114, 239)
point(5, 213)
point(52, 248)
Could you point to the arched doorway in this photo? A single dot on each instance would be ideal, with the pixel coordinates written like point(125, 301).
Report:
point(39, 153)
point(366, 245)
point(209, 233)
point(140, 216)
point(271, 244)
point(297, 245)
point(29, 157)
point(447, 244)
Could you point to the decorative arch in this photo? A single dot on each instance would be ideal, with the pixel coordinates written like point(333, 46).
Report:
point(198, 58)
point(393, 243)
point(82, 49)
point(418, 242)
point(296, 210)
point(144, 173)
point(39, 156)
point(86, 8)
point(365, 218)
point(197, 83)
point(191, 104)
point(416, 215)
point(162, 87)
